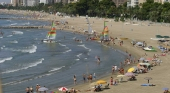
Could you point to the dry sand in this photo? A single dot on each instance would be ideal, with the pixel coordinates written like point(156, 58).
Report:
point(139, 31)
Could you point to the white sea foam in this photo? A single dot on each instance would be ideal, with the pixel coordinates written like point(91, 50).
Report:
point(56, 69)
point(3, 47)
point(30, 65)
point(8, 20)
point(4, 59)
point(67, 51)
point(74, 37)
point(27, 23)
point(14, 24)
point(85, 58)
point(85, 47)
point(17, 32)
point(14, 41)
point(21, 81)
point(9, 36)
point(79, 55)
point(30, 49)
point(77, 59)
point(1, 37)
point(61, 44)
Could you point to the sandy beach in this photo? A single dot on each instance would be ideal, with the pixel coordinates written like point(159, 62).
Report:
point(140, 31)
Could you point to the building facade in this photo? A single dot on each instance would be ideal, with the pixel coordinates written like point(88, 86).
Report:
point(32, 2)
point(132, 3)
point(13, 2)
point(44, 1)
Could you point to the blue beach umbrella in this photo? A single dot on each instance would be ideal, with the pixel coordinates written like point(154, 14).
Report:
point(165, 88)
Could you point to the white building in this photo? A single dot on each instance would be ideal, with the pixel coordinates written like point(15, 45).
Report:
point(25, 2)
point(44, 1)
point(57, 1)
point(132, 3)
point(163, 1)
point(32, 2)
point(3, 3)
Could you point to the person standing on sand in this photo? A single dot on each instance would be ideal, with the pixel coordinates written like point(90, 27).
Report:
point(94, 76)
point(74, 78)
point(84, 78)
point(37, 87)
point(111, 80)
point(113, 69)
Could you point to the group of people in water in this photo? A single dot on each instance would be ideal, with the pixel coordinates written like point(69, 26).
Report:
point(31, 89)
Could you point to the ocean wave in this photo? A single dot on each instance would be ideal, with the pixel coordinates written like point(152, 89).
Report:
point(13, 24)
point(1, 37)
point(3, 47)
point(61, 44)
point(67, 51)
point(8, 20)
point(30, 49)
point(85, 47)
point(9, 35)
point(15, 41)
point(4, 59)
point(85, 58)
point(77, 59)
point(55, 69)
point(30, 65)
point(27, 23)
point(26, 80)
point(79, 55)
point(17, 32)
point(74, 37)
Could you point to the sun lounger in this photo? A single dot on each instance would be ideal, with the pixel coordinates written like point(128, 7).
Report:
point(148, 85)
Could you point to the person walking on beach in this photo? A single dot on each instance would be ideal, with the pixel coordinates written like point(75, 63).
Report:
point(111, 80)
point(90, 78)
point(37, 87)
point(84, 78)
point(113, 69)
point(94, 76)
point(74, 78)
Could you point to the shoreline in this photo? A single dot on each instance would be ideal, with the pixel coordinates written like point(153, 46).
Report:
point(134, 51)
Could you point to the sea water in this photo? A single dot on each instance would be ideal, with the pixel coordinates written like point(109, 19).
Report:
point(25, 61)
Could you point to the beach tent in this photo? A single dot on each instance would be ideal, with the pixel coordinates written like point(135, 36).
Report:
point(147, 64)
point(139, 43)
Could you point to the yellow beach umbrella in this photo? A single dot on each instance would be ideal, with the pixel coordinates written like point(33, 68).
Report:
point(101, 82)
point(131, 69)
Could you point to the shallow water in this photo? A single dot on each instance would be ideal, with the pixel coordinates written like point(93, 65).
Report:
point(25, 61)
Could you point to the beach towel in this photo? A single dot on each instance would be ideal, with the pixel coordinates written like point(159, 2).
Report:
point(148, 85)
